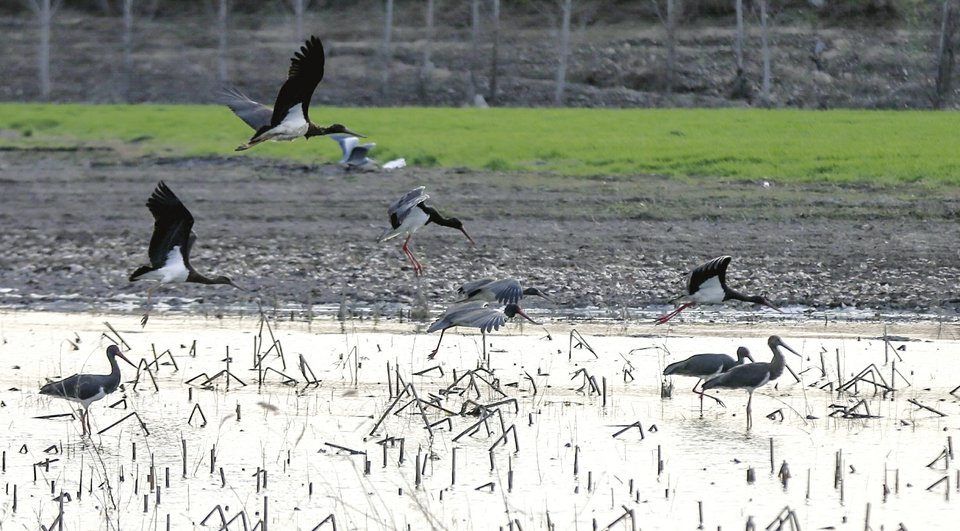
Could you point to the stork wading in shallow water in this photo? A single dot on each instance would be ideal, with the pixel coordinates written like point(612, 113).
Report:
point(705, 367)
point(504, 291)
point(707, 284)
point(753, 375)
point(86, 389)
point(289, 118)
point(408, 214)
point(475, 314)
point(170, 246)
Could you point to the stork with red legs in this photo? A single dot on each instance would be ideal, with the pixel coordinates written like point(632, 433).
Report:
point(707, 284)
point(411, 212)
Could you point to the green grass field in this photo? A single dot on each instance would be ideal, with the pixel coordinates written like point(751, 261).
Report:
point(787, 145)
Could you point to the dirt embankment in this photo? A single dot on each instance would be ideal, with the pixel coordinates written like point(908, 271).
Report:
point(618, 57)
point(75, 226)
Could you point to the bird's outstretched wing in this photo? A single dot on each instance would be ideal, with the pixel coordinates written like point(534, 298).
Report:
point(453, 316)
point(254, 114)
point(507, 290)
point(399, 210)
point(714, 268)
point(172, 225)
point(486, 319)
point(306, 71)
point(469, 288)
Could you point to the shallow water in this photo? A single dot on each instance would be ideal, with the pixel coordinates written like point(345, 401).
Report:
point(568, 469)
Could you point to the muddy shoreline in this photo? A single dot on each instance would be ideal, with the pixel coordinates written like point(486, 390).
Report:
point(304, 235)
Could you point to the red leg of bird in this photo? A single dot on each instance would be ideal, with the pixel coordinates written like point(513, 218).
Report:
point(434, 353)
point(666, 317)
point(417, 268)
point(703, 394)
point(750, 410)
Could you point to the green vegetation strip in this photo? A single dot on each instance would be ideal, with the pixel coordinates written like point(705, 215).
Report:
point(788, 145)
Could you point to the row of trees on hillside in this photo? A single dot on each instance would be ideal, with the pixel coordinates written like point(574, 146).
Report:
point(672, 14)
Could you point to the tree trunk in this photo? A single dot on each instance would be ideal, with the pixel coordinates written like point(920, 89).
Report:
point(566, 9)
point(127, 50)
point(945, 56)
point(45, 15)
point(671, 45)
point(222, 42)
point(765, 86)
point(474, 52)
point(299, 7)
point(494, 53)
point(738, 43)
point(426, 65)
point(387, 35)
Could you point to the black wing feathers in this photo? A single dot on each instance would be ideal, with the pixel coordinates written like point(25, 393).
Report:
point(172, 225)
point(716, 267)
point(306, 71)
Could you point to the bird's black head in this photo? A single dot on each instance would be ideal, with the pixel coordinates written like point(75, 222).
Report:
point(314, 130)
point(760, 299)
point(743, 353)
point(775, 341)
point(537, 292)
point(113, 351)
point(225, 280)
point(512, 310)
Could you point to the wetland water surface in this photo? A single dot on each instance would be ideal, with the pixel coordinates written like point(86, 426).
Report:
point(543, 450)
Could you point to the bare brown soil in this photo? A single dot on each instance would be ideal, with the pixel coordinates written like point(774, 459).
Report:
point(75, 226)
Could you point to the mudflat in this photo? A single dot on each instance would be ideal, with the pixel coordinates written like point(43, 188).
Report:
point(297, 235)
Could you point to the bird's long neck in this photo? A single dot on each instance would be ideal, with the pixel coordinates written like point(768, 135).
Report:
point(777, 363)
point(315, 130)
point(732, 294)
point(197, 278)
point(435, 217)
point(114, 380)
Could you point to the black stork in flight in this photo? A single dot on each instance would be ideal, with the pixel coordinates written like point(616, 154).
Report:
point(707, 284)
point(86, 389)
point(504, 291)
point(170, 246)
point(753, 375)
point(474, 314)
point(408, 214)
point(705, 367)
point(289, 118)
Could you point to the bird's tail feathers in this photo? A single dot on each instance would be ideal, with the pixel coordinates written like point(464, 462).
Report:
point(142, 270)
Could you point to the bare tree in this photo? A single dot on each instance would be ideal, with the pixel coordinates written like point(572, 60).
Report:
point(670, 24)
point(494, 52)
point(127, 74)
point(566, 10)
point(426, 65)
point(738, 43)
point(765, 50)
point(945, 55)
point(44, 10)
point(299, 8)
point(474, 50)
point(223, 9)
point(386, 52)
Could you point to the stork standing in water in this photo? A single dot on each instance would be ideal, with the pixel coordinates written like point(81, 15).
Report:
point(289, 118)
point(753, 375)
point(504, 291)
point(707, 284)
point(705, 367)
point(170, 246)
point(408, 214)
point(86, 389)
point(475, 314)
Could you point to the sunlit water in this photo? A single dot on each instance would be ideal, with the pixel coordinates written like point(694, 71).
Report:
point(566, 468)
